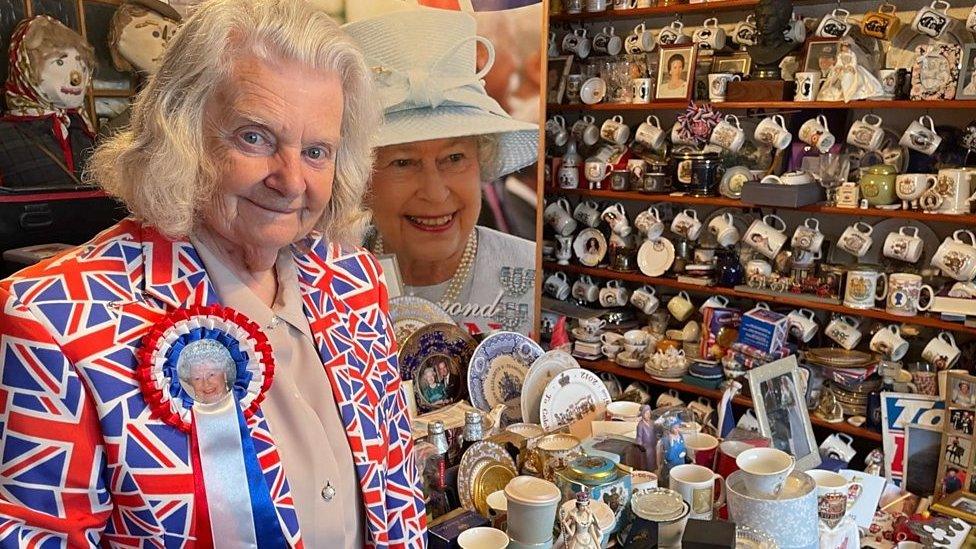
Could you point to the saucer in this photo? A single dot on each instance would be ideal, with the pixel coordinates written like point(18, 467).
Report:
point(582, 335)
point(593, 90)
point(655, 257)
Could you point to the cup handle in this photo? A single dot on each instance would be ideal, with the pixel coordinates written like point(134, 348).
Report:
point(927, 306)
point(720, 500)
point(882, 283)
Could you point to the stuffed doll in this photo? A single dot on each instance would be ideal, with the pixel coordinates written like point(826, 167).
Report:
point(45, 133)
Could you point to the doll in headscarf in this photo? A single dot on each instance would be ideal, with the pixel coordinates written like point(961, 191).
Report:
point(45, 133)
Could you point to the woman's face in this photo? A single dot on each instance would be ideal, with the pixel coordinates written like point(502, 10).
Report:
point(209, 383)
point(429, 376)
point(677, 68)
point(426, 197)
point(273, 130)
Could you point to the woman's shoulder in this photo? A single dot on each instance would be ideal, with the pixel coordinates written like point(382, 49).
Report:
point(501, 249)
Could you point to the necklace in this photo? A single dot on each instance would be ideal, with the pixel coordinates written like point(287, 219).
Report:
point(461, 275)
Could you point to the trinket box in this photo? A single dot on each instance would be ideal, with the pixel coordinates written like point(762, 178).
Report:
point(764, 330)
point(708, 534)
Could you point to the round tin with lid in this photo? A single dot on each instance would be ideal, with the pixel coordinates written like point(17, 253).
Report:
point(592, 470)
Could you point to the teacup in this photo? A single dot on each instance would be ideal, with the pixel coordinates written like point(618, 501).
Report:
point(687, 225)
point(888, 342)
point(483, 537)
point(556, 130)
point(596, 170)
point(844, 331)
point(905, 294)
point(649, 222)
point(744, 33)
point(592, 326)
point(714, 302)
point(942, 352)
point(856, 239)
point(577, 43)
point(585, 289)
point(702, 449)
point(910, 186)
point(920, 136)
point(765, 470)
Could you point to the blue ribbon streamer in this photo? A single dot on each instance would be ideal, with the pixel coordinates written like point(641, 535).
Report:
point(266, 526)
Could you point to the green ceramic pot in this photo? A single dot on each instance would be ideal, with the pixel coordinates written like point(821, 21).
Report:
point(878, 184)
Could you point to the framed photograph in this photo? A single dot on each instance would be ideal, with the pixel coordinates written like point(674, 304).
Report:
point(967, 76)
point(821, 54)
point(559, 68)
point(922, 446)
point(961, 422)
point(391, 270)
point(676, 71)
point(962, 393)
point(736, 63)
point(960, 504)
point(778, 398)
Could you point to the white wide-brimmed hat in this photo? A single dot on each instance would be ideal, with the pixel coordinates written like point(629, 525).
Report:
point(424, 65)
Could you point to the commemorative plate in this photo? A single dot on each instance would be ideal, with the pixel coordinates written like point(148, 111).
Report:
point(655, 257)
point(590, 247)
point(436, 358)
point(484, 466)
point(497, 371)
point(409, 313)
point(540, 373)
point(570, 396)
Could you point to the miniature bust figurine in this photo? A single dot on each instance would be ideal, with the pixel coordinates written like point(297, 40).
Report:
point(772, 20)
point(45, 133)
point(580, 529)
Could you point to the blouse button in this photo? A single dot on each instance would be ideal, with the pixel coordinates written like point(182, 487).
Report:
point(328, 492)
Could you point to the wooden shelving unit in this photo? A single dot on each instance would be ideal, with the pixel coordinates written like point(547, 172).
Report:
point(708, 7)
point(767, 105)
point(722, 202)
point(641, 375)
point(787, 300)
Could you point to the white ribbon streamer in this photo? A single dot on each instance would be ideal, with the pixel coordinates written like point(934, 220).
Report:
point(224, 476)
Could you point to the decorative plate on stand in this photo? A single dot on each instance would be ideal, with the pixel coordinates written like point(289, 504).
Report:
point(410, 313)
point(570, 396)
point(540, 373)
point(590, 247)
point(436, 358)
point(655, 257)
point(497, 371)
point(485, 468)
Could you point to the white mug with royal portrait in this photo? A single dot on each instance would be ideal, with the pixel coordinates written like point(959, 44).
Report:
point(815, 133)
point(649, 223)
point(587, 213)
point(807, 85)
point(889, 343)
point(645, 299)
point(596, 170)
point(687, 224)
point(803, 324)
point(955, 257)
point(673, 35)
point(710, 36)
point(921, 136)
point(808, 236)
point(585, 289)
point(728, 134)
point(613, 294)
point(856, 239)
point(864, 287)
point(932, 20)
point(744, 33)
point(557, 286)
point(577, 43)
point(586, 131)
point(772, 131)
point(724, 229)
point(905, 294)
point(942, 352)
point(867, 132)
point(844, 330)
point(643, 89)
point(615, 131)
point(696, 484)
point(835, 24)
point(718, 83)
point(557, 215)
point(904, 245)
point(616, 217)
point(650, 134)
point(765, 236)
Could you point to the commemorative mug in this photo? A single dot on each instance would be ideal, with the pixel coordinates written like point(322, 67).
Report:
point(587, 213)
point(834, 24)
point(942, 352)
point(714, 302)
point(910, 186)
point(558, 216)
point(596, 170)
point(815, 133)
point(772, 131)
point(954, 186)
point(921, 136)
point(650, 134)
point(803, 324)
point(635, 170)
point(613, 294)
point(645, 299)
point(955, 258)
point(645, 38)
point(856, 239)
point(616, 217)
point(835, 495)
point(889, 83)
point(796, 31)
point(844, 330)
point(904, 245)
point(577, 43)
point(710, 36)
point(556, 130)
point(882, 23)
point(568, 176)
point(585, 289)
point(932, 20)
point(649, 222)
point(696, 484)
point(764, 470)
point(864, 287)
point(681, 306)
point(905, 294)
point(724, 229)
point(687, 225)
point(620, 180)
point(586, 131)
point(765, 237)
point(610, 43)
point(614, 130)
point(573, 84)
point(677, 138)
point(744, 33)
point(718, 83)
point(673, 35)
point(643, 89)
point(557, 286)
point(728, 133)
point(807, 85)
point(808, 236)
point(865, 134)
point(889, 343)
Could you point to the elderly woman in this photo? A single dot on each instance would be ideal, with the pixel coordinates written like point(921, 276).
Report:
point(442, 136)
point(244, 168)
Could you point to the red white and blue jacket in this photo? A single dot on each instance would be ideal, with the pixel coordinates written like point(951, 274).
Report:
point(82, 463)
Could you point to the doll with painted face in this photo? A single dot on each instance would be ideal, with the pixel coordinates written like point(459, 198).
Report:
point(45, 133)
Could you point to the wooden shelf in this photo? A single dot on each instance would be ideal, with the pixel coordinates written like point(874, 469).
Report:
point(722, 202)
point(708, 7)
point(714, 394)
point(787, 300)
point(768, 105)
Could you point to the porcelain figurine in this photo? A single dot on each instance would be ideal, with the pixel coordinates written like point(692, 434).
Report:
point(671, 450)
point(850, 79)
point(580, 528)
point(647, 436)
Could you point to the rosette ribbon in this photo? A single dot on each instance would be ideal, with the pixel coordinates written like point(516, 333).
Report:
point(205, 371)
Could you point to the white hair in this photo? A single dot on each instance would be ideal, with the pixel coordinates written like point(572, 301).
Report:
point(160, 168)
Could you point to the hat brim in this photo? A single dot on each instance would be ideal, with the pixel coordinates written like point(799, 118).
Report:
point(518, 141)
point(160, 7)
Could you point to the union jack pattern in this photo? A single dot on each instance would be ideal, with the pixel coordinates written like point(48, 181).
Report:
point(83, 464)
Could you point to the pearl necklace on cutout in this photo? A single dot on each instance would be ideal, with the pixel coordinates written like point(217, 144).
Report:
point(461, 275)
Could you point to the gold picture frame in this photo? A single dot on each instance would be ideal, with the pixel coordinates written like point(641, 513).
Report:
point(961, 504)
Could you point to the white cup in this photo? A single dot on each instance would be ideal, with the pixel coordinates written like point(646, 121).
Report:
point(710, 36)
point(772, 131)
point(577, 43)
point(744, 33)
point(586, 131)
point(863, 287)
point(557, 286)
point(643, 88)
point(728, 134)
point(815, 133)
point(866, 135)
point(724, 229)
point(835, 495)
point(888, 342)
point(905, 294)
point(642, 482)
point(645, 299)
point(955, 258)
point(835, 24)
point(596, 170)
point(612, 338)
point(718, 84)
point(808, 236)
point(556, 130)
point(856, 239)
point(650, 134)
point(905, 244)
point(584, 289)
point(615, 131)
point(932, 20)
point(557, 215)
point(910, 186)
point(807, 85)
point(677, 138)
point(673, 35)
point(587, 213)
point(803, 324)
point(714, 302)
point(532, 505)
point(671, 397)
point(920, 136)
point(681, 306)
point(765, 237)
point(687, 225)
point(942, 351)
point(649, 223)
point(765, 470)
point(844, 331)
point(614, 294)
point(696, 484)
point(483, 537)
point(616, 218)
